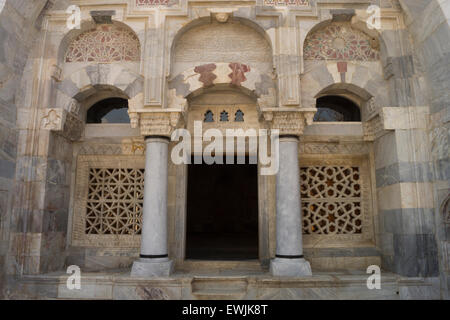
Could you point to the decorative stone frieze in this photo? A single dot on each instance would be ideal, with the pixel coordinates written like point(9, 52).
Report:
point(289, 122)
point(373, 128)
point(286, 3)
point(133, 147)
point(159, 123)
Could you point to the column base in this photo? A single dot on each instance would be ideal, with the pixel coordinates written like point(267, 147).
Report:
point(151, 268)
point(281, 267)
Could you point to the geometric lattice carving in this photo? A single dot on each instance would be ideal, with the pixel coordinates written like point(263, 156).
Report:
point(108, 200)
point(331, 199)
point(114, 201)
point(339, 42)
point(105, 44)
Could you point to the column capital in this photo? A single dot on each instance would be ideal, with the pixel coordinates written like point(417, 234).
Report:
point(158, 122)
point(289, 121)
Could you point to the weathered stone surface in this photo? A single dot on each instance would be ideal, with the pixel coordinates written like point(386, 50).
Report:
point(143, 268)
point(226, 48)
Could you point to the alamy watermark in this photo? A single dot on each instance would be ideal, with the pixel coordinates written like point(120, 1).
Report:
point(374, 280)
point(374, 19)
point(74, 280)
point(233, 142)
point(74, 20)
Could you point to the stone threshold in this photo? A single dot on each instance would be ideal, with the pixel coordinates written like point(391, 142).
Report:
point(119, 285)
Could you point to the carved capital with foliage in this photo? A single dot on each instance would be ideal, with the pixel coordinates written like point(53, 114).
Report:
point(159, 123)
point(289, 121)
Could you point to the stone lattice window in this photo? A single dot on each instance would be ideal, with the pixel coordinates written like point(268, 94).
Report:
point(336, 196)
point(105, 44)
point(239, 116)
point(114, 201)
point(109, 196)
point(335, 199)
point(340, 42)
point(209, 116)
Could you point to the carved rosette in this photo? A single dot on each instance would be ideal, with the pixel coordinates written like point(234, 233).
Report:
point(289, 122)
point(159, 123)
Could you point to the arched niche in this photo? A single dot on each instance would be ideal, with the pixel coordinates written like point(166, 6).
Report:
point(334, 108)
point(96, 94)
point(340, 41)
point(94, 38)
point(206, 40)
point(209, 105)
point(356, 95)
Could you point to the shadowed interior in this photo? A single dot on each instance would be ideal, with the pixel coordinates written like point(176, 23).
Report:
point(222, 212)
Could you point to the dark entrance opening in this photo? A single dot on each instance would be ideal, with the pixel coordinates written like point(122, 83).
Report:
point(222, 211)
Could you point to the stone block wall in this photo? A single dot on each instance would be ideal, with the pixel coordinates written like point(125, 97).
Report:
point(19, 24)
point(428, 22)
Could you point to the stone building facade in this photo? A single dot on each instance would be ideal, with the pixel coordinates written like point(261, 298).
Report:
point(363, 116)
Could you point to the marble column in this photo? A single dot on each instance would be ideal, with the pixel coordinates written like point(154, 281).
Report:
point(154, 260)
point(289, 259)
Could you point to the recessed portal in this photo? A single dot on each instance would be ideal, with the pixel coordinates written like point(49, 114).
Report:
point(222, 212)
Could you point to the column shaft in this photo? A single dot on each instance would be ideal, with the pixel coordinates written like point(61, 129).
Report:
point(289, 259)
point(154, 216)
point(154, 259)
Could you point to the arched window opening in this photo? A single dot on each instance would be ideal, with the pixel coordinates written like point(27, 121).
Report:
point(209, 116)
point(336, 108)
point(239, 116)
point(224, 116)
point(112, 110)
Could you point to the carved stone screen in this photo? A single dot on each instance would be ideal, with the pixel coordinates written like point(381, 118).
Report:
point(108, 200)
point(335, 196)
point(115, 199)
point(105, 44)
point(331, 199)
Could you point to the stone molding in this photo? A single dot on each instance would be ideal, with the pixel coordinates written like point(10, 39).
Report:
point(395, 118)
point(289, 121)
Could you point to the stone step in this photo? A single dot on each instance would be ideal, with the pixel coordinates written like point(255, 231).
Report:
point(249, 266)
point(217, 288)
